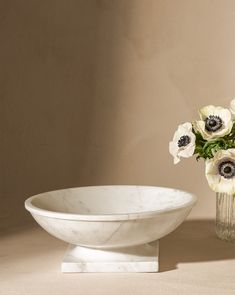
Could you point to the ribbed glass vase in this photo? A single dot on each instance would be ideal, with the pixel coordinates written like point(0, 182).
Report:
point(225, 217)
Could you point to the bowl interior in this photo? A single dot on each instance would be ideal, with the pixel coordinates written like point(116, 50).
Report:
point(101, 200)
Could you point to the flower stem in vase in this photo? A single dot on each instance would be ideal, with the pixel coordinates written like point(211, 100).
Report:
point(225, 217)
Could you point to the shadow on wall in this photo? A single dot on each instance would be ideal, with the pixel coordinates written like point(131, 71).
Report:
point(91, 92)
point(193, 241)
point(62, 99)
point(46, 80)
point(78, 101)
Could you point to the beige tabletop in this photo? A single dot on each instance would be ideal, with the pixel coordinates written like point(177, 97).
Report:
point(192, 261)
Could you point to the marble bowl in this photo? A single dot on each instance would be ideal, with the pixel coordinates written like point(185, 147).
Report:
point(111, 228)
point(110, 216)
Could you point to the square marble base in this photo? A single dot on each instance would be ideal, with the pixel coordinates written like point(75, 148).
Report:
point(143, 258)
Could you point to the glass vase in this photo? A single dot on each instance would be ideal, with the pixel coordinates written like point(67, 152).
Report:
point(225, 217)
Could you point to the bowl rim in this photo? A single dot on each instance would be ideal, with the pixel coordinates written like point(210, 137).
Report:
point(108, 217)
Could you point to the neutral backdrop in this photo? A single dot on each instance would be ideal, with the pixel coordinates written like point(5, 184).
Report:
point(92, 91)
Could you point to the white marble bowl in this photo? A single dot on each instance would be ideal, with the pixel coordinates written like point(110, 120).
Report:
point(110, 216)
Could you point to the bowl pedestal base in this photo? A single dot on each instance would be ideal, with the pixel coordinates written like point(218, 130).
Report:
point(141, 258)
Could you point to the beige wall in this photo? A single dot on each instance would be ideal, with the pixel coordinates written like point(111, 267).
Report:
point(91, 92)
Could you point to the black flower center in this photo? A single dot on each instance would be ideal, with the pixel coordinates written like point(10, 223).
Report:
point(184, 140)
point(213, 123)
point(227, 169)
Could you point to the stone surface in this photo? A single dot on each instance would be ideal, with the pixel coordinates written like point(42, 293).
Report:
point(143, 258)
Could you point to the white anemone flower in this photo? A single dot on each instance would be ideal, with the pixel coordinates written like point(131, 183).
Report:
point(183, 143)
point(215, 122)
point(232, 107)
point(220, 171)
